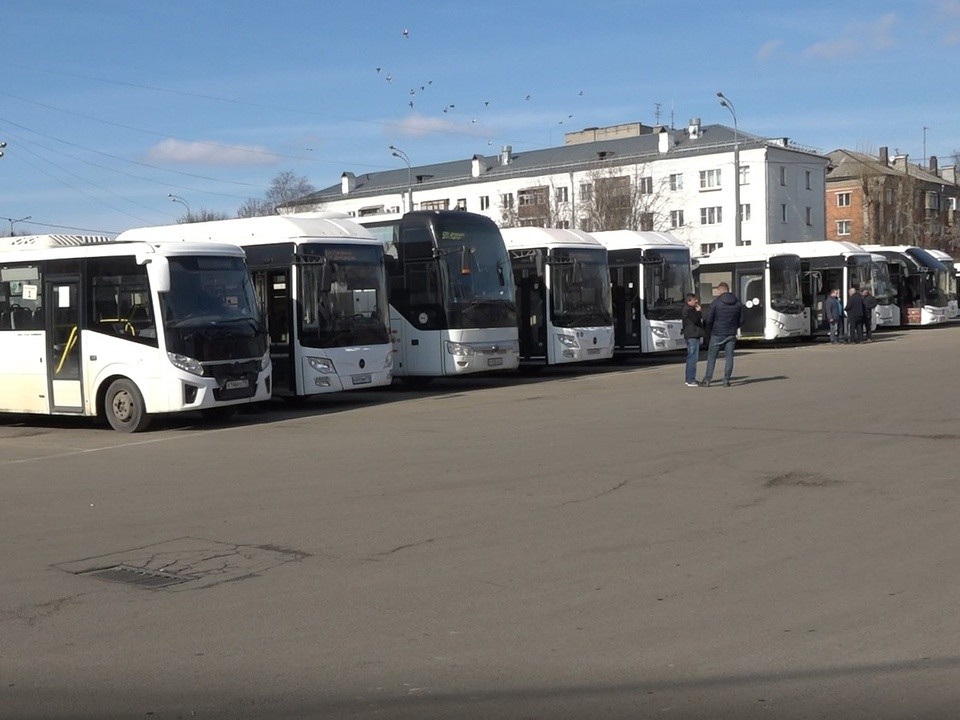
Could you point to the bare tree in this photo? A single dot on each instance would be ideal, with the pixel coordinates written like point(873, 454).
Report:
point(284, 187)
point(201, 215)
point(618, 201)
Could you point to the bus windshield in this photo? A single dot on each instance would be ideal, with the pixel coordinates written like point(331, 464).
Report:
point(477, 274)
point(211, 312)
point(667, 278)
point(342, 295)
point(785, 284)
point(882, 287)
point(580, 288)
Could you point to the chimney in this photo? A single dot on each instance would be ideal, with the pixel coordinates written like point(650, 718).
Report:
point(505, 155)
point(663, 137)
point(348, 181)
point(478, 165)
point(885, 155)
point(693, 129)
point(933, 165)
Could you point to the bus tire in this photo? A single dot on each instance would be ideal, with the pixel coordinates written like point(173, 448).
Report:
point(124, 408)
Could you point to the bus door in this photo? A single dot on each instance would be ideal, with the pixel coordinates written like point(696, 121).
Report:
point(626, 292)
point(532, 319)
point(273, 289)
point(62, 325)
point(753, 297)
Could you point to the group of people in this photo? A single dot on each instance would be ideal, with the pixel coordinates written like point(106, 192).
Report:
point(850, 322)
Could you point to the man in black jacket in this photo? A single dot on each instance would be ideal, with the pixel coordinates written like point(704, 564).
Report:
point(855, 316)
point(692, 331)
point(724, 317)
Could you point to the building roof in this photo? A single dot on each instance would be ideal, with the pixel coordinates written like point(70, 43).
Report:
point(850, 165)
point(565, 158)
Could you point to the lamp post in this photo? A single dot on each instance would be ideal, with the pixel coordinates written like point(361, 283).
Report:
point(398, 153)
point(178, 199)
point(16, 220)
point(737, 230)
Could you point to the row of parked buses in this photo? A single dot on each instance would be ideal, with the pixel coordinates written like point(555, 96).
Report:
point(209, 316)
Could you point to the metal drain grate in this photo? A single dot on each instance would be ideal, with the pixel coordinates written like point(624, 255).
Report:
point(138, 577)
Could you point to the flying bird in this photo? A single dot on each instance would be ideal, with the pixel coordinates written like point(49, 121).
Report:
point(527, 97)
point(378, 69)
point(406, 34)
point(389, 78)
point(410, 103)
point(581, 92)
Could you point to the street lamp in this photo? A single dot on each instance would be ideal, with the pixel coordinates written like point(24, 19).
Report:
point(12, 221)
point(398, 153)
point(178, 199)
point(737, 236)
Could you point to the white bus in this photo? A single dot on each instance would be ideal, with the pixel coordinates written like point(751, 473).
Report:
point(766, 280)
point(126, 330)
point(827, 264)
point(886, 313)
point(563, 295)
point(920, 282)
point(949, 282)
point(452, 302)
point(321, 284)
point(650, 275)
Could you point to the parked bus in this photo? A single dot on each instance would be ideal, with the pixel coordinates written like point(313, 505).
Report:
point(827, 264)
point(321, 284)
point(650, 274)
point(127, 330)
point(919, 279)
point(563, 295)
point(766, 280)
point(949, 282)
point(452, 302)
point(886, 313)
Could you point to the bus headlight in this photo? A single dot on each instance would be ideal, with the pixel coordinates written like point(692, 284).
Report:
point(568, 340)
point(388, 361)
point(264, 362)
point(779, 325)
point(659, 332)
point(185, 363)
point(322, 365)
point(460, 350)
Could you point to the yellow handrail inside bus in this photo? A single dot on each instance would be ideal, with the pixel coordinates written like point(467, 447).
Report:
point(71, 341)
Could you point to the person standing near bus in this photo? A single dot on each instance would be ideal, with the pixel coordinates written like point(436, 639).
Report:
point(855, 315)
point(693, 333)
point(869, 303)
point(724, 318)
point(834, 311)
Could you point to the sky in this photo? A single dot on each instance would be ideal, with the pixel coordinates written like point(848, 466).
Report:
point(110, 107)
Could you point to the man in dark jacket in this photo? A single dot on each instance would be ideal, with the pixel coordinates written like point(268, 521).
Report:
point(833, 309)
point(724, 317)
point(692, 332)
point(855, 315)
point(869, 303)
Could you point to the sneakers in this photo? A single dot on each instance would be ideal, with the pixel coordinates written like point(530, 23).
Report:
point(692, 384)
point(705, 383)
point(726, 383)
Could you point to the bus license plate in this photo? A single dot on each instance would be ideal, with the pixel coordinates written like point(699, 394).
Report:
point(493, 362)
point(361, 379)
point(593, 351)
point(236, 384)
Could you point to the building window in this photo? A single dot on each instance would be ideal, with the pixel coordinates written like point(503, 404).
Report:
point(646, 185)
point(563, 224)
point(809, 216)
point(462, 204)
point(783, 212)
point(745, 212)
point(711, 215)
point(646, 221)
point(676, 218)
point(710, 179)
point(435, 205)
point(843, 199)
point(931, 200)
point(707, 248)
point(586, 224)
point(843, 227)
point(744, 174)
point(586, 192)
point(808, 179)
point(506, 200)
point(676, 181)
point(783, 175)
point(889, 196)
point(484, 202)
point(562, 195)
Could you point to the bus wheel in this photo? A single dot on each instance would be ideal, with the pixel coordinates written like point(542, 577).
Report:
point(123, 406)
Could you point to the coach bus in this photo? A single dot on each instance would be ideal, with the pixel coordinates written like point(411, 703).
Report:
point(321, 283)
point(766, 280)
point(452, 301)
point(650, 274)
point(948, 282)
point(919, 280)
point(563, 295)
point(886, 313)
point(126, 330)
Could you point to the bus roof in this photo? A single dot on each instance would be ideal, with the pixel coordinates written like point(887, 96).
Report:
point(47, 247)
point(633, 239)
point(821, 248)
point(533, 237)
point(271, 229)
point(919, 257)
point(749, 253)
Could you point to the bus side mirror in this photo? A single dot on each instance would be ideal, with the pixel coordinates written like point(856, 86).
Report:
point(158, 270)
point(540, 263)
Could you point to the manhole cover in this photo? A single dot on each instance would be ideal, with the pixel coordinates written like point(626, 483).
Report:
point(138, 577)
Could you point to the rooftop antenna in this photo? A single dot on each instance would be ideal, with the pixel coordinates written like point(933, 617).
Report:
point(925, 128)
point(657, 112)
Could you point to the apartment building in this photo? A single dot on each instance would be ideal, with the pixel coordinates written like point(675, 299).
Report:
point(627, 176)
point(884, 200)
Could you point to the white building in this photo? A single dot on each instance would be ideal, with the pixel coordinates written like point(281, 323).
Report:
point(629, 176)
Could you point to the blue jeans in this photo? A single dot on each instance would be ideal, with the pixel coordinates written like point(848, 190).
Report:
point(727, 342)
point(693, 352)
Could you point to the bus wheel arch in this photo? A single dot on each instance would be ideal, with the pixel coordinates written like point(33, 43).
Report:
point(120, 401)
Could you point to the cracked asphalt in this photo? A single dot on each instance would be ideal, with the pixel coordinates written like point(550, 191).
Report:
point(575, 543)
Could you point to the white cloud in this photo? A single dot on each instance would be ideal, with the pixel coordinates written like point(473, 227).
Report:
point(210, 153)
point(417, 125)
point(858, 38)
point(767, 50)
